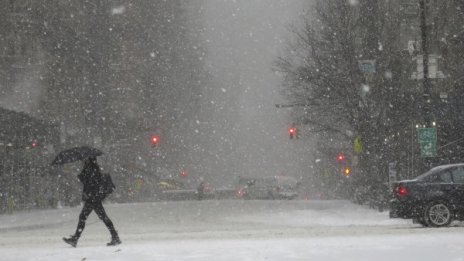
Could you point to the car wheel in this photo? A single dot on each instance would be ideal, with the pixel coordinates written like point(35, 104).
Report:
point(438, 214)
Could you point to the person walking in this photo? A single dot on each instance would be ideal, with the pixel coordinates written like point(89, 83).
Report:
point(92, 195)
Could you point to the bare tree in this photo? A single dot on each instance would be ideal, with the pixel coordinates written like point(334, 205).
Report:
point(341, 100)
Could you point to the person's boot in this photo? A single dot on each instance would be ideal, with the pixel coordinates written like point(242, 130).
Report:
point(71, 240)
point(114, 240)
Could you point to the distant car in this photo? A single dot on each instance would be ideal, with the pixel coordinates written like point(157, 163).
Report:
point(204, 190)
point(243, 182)
point(278, 187)
point(434, 199)
point(170, 184)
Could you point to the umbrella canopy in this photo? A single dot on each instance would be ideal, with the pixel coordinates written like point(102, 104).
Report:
point(76, 154)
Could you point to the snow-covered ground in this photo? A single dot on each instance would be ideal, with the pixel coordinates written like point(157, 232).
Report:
point(229, 230)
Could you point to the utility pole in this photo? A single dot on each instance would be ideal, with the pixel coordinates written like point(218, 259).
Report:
point(426, 110)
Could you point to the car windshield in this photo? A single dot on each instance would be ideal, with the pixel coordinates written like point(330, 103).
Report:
point(231, 129)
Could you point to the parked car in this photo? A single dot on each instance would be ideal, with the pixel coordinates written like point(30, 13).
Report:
point(278, 187)
point(434, 199)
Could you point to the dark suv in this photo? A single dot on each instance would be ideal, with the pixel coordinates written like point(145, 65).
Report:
point(434, 199)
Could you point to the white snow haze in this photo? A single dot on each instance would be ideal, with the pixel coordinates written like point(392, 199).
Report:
point(242, 40)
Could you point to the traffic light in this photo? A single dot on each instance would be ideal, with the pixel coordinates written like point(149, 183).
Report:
point(32, 145)
point(341, 157)
point(154, 140)
point(183, 173)
point(292, 132)
point(346, 171)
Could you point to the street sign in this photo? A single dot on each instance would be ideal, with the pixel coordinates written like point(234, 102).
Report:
point(357, 145)
point(428, 141)
point(367, 67)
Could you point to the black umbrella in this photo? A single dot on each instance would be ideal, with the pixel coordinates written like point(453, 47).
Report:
point(76, 154)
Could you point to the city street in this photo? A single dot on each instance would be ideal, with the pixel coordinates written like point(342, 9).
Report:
point(229, 230)
point(183, 116)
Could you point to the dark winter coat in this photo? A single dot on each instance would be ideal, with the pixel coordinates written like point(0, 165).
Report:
point(91, 178)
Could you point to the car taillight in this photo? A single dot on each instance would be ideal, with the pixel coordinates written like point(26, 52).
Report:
point(401, 191)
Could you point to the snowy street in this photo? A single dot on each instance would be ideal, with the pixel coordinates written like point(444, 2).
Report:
point(229, 230)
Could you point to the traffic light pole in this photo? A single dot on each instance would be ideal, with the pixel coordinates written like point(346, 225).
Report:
point(426, 110)
point(425, 58)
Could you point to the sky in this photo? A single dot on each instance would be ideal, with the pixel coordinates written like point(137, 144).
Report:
point(242, 39)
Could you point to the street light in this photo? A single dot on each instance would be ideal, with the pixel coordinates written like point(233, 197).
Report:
point(425, 55)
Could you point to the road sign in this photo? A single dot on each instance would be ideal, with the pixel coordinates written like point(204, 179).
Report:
point(367, 67)
point(357, 145)
point(428, 141)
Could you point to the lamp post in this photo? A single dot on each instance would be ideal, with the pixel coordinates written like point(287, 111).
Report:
point(425, 56)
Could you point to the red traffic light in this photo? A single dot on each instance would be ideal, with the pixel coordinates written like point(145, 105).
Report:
point(34, 144)
point(154, 140)
point(292, 132)
point(183, 173)
point(340, 157)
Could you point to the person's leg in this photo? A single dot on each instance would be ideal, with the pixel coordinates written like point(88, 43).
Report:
point(104, 217)
point(85, 212)
point(101, 213)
